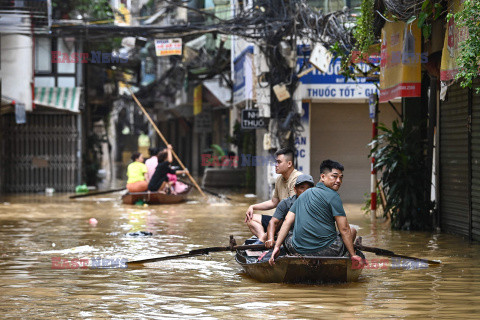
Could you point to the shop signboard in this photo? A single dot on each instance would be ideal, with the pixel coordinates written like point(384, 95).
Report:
point(331, 85)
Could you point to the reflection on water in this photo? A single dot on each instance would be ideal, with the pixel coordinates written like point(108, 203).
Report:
point(37, 229)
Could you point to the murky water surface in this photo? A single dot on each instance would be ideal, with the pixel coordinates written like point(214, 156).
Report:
point(37, 229)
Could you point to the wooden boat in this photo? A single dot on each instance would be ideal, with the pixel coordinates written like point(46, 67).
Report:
point(298, 269)
point(155, 197)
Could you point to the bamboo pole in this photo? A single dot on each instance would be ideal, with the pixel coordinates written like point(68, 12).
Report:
point(166, 143)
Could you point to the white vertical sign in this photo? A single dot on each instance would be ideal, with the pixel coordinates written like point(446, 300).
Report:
point(302, 142)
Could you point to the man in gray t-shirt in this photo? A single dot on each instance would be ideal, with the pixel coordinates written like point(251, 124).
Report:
point(304, 182)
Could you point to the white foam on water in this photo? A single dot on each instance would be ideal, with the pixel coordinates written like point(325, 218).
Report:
point(80, 249)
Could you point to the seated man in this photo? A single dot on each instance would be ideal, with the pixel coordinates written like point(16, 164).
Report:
point(314, 215)
point(304, 182)
point(159, 181)
point(284, 188)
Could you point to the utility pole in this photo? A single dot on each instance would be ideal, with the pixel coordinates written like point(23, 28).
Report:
point(373, 108)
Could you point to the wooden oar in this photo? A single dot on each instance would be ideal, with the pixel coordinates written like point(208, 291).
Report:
point(207, 191)
point(96, 193)
point(165, 141)
point(198, 252)
point(388, 253)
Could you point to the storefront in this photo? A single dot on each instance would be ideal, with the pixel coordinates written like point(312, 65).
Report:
point(339, 128)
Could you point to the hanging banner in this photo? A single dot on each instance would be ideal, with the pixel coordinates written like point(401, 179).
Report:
point(401, 58)
point(450, 52)
point(168, 47)
point(197, 100)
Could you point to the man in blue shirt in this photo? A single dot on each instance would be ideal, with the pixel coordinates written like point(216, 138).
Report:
point(315, 213)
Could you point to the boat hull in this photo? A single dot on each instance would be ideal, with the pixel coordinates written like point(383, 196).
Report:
point(155, 197)
point(300, 269)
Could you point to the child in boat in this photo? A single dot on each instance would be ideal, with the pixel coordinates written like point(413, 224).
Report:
point(137, 174)
point(160, 181)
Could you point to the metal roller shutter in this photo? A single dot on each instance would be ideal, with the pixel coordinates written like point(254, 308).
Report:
point(41, 153)
point(345, 139)
point(454, 171)
point(476, 165)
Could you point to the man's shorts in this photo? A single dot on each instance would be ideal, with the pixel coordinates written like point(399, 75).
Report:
point(265, 221)
point(336, 249)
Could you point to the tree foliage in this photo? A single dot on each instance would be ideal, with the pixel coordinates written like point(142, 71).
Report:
point(468, 59)
point(398, 155)
point(364, 32)
point(88, 9)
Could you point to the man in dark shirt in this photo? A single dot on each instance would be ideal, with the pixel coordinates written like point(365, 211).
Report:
point(304, 182)
point(159, 181)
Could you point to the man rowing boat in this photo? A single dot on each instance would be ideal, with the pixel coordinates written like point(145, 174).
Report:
point(315, 213)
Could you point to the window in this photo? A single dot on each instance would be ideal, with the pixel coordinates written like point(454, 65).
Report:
point(66, 46)
point(68, 82)
point(61, 74)
point(44, 81)
point(43, 55)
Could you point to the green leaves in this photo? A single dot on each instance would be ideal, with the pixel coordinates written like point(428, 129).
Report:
point(412, 18)
point(427, 31)
point(429, 12)
point(364, 33)
point(96, 9)
point(468, 59)
point(438, 11)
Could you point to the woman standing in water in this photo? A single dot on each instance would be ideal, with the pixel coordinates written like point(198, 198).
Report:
point(137, 174)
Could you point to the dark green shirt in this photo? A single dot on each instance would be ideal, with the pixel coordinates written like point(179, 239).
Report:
point(283, 207)
point(315, 212)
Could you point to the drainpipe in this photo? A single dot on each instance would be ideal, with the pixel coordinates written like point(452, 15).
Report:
point(469, 182)
point(32, 82)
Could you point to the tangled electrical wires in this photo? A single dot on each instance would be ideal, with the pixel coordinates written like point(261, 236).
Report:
point(405, 9)
point(268, 23)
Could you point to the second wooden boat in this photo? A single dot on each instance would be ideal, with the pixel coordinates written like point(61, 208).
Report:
point(155, 197)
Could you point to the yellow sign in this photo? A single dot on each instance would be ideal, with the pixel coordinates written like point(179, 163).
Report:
point(122, 16)
point(450, 52)
point(400, 69)
point(197, 100)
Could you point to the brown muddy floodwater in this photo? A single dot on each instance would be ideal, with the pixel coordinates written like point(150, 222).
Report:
point(37, 229)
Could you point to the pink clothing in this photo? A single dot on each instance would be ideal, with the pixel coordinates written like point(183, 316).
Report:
point(178, 187)
point(172, 177)
point(151, 164)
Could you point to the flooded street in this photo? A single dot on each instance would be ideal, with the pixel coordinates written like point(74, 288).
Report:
point(37, 229)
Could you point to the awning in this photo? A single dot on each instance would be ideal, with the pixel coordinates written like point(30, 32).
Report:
point(217, 95)
point(66, 99)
